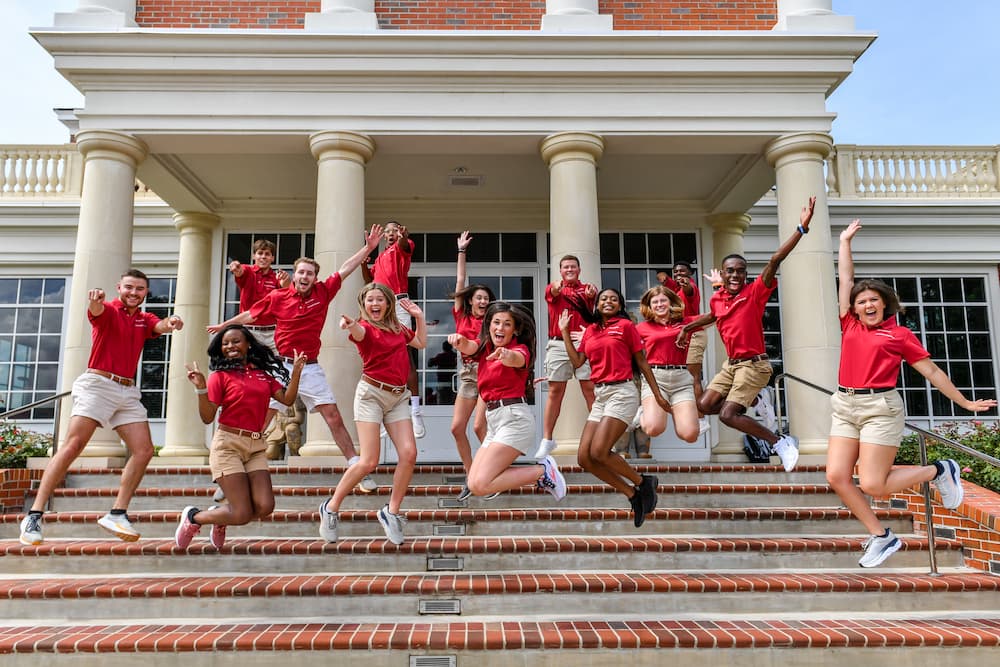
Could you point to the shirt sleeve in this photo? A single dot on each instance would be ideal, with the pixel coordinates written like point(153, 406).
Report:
point(243, 278)
point(273, 385)
point(409, 334)
point(333, 283)
point(523, 349)
point(912, 351)
point(410, 246)
point(263, 306)
point(762, 292)
point(151, 322)
point(216, 387)
point(582, 346)
point(548, 293)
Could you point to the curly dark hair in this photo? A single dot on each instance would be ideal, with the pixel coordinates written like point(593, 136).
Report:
point(259, 355)
point(466, 294)
point(524, 329)
point(596, 318)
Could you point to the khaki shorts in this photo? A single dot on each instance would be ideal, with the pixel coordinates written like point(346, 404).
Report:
point(620, 401)
point(313, 389)
point(557, 364)
point(380, 406)
point(677, 386)
point(741, 383)
point(875, 419)
point(696, 347)
point(107, 402)
point(265, 336)
point(468, 380)
point(511, 425)
point(231, 454)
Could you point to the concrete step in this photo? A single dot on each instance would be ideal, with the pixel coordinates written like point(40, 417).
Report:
point(442, 497)
point(478, 554)
point(498, 522)
point(427, 597)
point(157, 476)
point(644, 642)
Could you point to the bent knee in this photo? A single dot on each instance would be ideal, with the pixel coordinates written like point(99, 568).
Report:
point(688, 435)
point(478, 486)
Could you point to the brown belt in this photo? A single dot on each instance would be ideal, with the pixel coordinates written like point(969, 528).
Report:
point(253, 435)
point(124, 381)
point(756, 357)
point(493, 405)
point(395, 389)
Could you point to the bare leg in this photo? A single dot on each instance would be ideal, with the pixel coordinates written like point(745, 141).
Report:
point(607, 466)
point(587, 388)
point(479, 421)
point(331, 415)
point(140, 447)
point(732, 415)
point(841, 455)
point(492, 471)
point(695, 370)
point(81, 429)
point(685, 420)
point(654, 419)
point(553, 406)
point(401, 434)
point(368, 436)
point(879, 478)
point(464, 407)
point(238, 510)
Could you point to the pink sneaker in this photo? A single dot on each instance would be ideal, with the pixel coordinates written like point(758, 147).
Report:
point(218, 535)
point(186, 530)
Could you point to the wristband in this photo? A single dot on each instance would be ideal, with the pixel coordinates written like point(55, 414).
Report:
point(802, 230)
point(716, 285)
point(201, 391)
point(461, 251)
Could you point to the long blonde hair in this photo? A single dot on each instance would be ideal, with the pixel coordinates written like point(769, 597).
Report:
point(389, 321)
point(676, 311)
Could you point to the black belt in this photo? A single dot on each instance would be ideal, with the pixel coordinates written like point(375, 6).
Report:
point(268, 327)
point(608, 384)
point(493, 405)
point(756, 357)
point(289, 360)
point(669, 367)
point(851, 391)
point(402, 295)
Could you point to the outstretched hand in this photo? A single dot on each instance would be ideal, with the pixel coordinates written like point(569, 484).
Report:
point(298, 360)
point(346, 322)
point(499, 354)
point(96, 295)
point(410, 307)
point(851, 230)
point(374, 236)
point(456, 339)
point(807, 213)
point(714, 276)
point(464, 240)
point(981, 405)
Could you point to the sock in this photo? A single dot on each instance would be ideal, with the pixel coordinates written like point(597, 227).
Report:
point(117, 512)
point(414, 403)
point(940, 468)
point(883, 535)
point(354, 459)
point(191, 514)
point(36, 513)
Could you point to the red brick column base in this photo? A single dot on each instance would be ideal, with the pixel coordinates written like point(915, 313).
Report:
point(14, 485)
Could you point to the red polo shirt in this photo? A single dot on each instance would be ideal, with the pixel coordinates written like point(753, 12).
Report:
point(738, 317)
point(692, 304)
point(660, 342)
point(299, 318)
point(870, 358)
point(384, 356)
point(118, 338)
point(610, 348)
point(392, 267)
point(255, 285)
point(243, 395)
point(497, 381)
point(468, 326)
point(573, 299)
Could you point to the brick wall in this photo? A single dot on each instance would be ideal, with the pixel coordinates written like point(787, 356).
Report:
point(459, 14)
point(14, 483)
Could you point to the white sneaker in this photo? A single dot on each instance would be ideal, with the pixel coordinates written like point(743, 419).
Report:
point(704, 425)
point(392, 524)
point(417, 416)
point(878, 548)
point(219, 496)
point(327, 523)
point(492, 496)
point(949, 484)
point(119, 526)
point(636, 421)
point(367, 484)
point(545, 447)
point(765, 409)
point(31, 530)
point(787, 449)
point(551, 479)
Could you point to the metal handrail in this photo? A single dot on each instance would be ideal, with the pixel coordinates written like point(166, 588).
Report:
point(922, 435)
point(56, 414)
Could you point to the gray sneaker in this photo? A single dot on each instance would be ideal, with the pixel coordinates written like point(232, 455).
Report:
point(31, 530)
point(367, 484)
point(878, 548)
point(392, 524)
point(949, 484)
point(464, 494)
point(327, 522)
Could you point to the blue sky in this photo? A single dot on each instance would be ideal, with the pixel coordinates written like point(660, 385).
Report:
point(930, 78)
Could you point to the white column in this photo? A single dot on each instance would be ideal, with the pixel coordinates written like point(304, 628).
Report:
point(343, 16)
point(103, 251)
point(575, 230)
point(575, 16)
point(98, 14)
point(340, 223)
point(185, 433)
point(810, 331)
point(811, 16)
point(728, 230)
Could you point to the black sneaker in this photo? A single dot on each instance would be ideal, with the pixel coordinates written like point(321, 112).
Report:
point(638, 516)
point(647, 489)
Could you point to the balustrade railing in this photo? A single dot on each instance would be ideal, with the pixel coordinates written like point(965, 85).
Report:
point(40, 171)
point(904, 172)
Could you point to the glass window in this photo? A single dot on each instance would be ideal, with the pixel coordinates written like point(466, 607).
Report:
point(155, 360)
point(517, 247)
point(29, 361)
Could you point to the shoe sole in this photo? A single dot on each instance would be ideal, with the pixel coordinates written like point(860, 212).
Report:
point(888, 551)
point(360, 487)
point(212, 541)
point(31, 543)
point(124, 537)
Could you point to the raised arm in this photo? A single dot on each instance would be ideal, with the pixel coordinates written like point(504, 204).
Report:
point(703, 320)
point(355, 260)
point(240, 318)
point(168, 324)
point(464, 345)
point(845, 266)
point(460, 275)
point(767, 275)
point(943, 383)
point(419, 340)
point(288, 394)
point(95, 301)
point(206, 408)
point(575, 356)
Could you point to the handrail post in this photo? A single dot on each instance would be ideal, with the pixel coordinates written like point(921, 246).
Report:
point(56, 415)
point(928, 510)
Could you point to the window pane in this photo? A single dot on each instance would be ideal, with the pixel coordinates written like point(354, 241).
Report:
point(661, 255)
point(238, 248)
point(7, 320)
point(958, 346)
point(975, 289)
point(931, 289)
point(910, 319)
point(153, 403)
point(310, 245)
point(155, 349)
point(518, 288)
point(54, 291)
point(28, 320)
point(686, 248)
point(635, 248)
point(48, 348)
point(951, 289)
point(610, 278)
point(912, 378)
point(31, 290)
point(517, 247)
point(906, 288)
point(916, 402)
point(162, 313)
point(4, 378)
point(159, 291)
point(8, 290)
point(51, 320)
point(45, 377)
point(289, 249)
point(982, 374)
point(439, 287)
point(979, 346)
point(442, 248)
point(933, 318)
point(484, 248)
point(493, 282)
point(609, 249)
point(152, 376)
point(439, 313)
point(960, 373)
point(954, 318)
point(635, 283)
point(935, 345)
point(25, 348)
point(415, 287)
point(22, 376)
point(977, 317)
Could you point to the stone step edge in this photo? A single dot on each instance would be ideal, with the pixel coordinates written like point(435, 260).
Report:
point(438, 546)
point(488, 584)
point(453, 490)
point(510, 635)
point(456, 469)
point(513, 514)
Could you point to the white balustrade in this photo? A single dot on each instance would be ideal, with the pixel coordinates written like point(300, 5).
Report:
point(38, 171)
point(880, 172)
